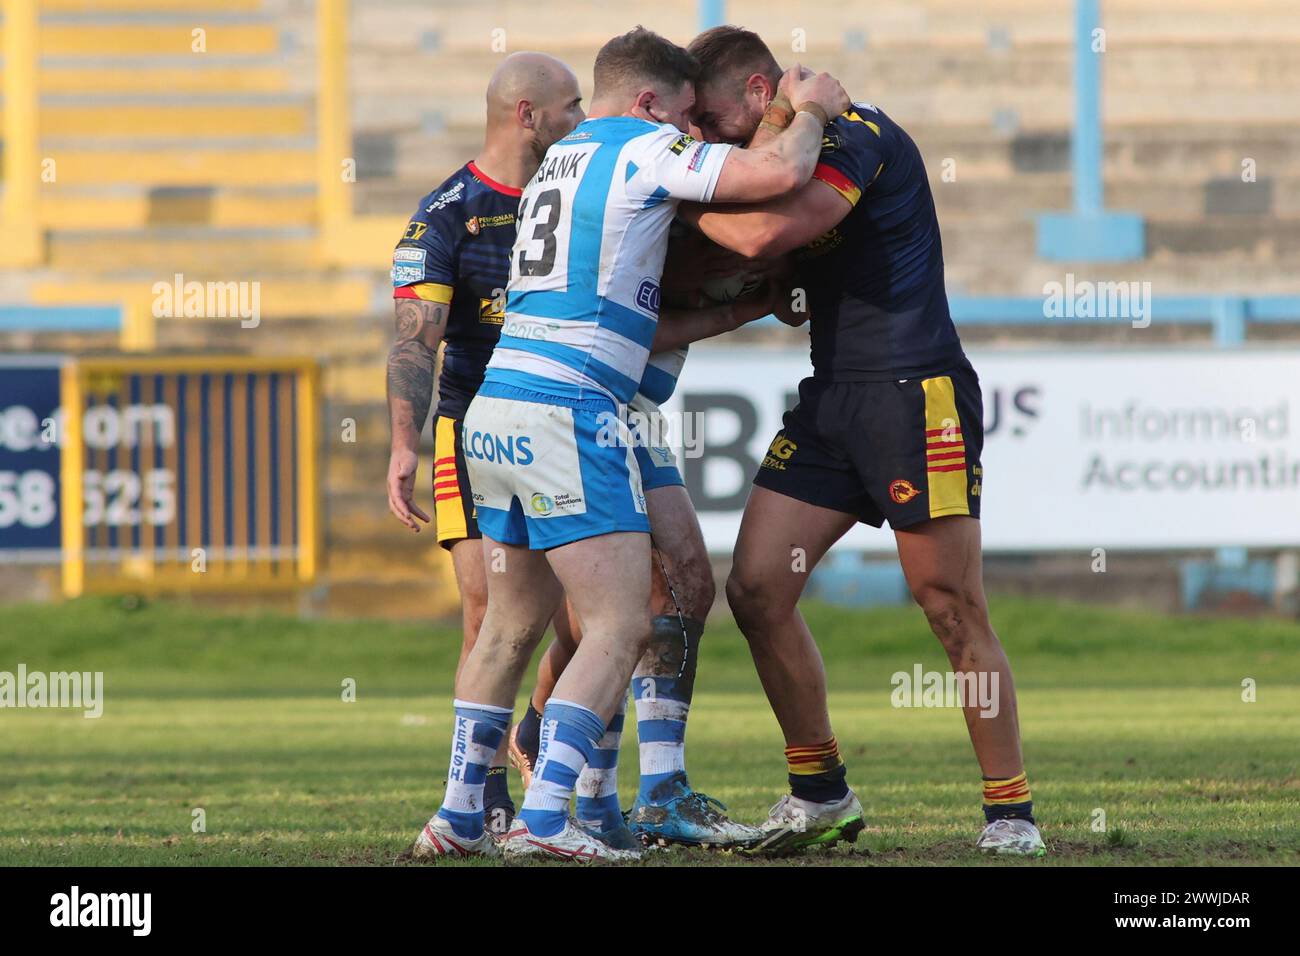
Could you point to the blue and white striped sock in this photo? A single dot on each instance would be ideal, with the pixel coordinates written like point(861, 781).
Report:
point(662, 706)
point(475, 736)
point(568, 738)
point(598, 783)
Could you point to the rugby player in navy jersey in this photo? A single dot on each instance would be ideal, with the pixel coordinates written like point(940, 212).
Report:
point(450, 271)
point(887, 428)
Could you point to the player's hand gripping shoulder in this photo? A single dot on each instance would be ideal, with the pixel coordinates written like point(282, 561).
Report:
point(786, 162)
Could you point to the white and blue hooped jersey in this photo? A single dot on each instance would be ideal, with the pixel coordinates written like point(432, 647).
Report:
point(662, 370)
point(583, 296)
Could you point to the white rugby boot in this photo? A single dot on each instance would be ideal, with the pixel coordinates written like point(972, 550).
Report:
point(1011, 838)
point(794, 824)
point(572, 844)
point(438, 839)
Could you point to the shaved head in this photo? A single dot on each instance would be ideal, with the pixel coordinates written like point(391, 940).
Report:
point(530, 76)
point(532, 96)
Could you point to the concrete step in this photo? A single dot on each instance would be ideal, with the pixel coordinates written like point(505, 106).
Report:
point(282, 299)
point(192, 251)
point(1028, 195)
point(224, 165)
point(314, 336)
point(118, 7)
point(146, 77)
point(98, 209)
point(183, 121)
point(1184, 274)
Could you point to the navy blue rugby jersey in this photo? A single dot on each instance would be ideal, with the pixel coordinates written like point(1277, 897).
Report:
point(875, 282)
point(456, 250)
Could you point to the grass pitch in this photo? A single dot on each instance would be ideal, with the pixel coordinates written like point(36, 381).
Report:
point(242, 717)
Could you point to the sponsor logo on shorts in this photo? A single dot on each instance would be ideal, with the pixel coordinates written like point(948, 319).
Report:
point(902, 491)
point(503, 449)
point(490, 312)
point(546, 505)
point(779, 452)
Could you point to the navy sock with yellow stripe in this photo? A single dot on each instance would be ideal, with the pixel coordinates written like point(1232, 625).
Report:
point(1008, 798)
point(817, 772)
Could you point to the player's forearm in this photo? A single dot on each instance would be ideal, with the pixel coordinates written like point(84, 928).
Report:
point(411, 364)
point(748, 231)
point(680, 327)
point(410, 391)
point(796, 148)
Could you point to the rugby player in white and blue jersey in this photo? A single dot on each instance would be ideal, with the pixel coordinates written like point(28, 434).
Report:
point(668, 810)
point(559, 507)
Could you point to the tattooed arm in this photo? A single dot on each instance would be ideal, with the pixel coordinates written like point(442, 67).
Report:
point(411, 361)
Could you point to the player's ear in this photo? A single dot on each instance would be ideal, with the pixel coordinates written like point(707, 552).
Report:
point(759, 87)
point(645, 101)
point(524, 114)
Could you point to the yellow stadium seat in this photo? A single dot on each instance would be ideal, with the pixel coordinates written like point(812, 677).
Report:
point(163, 80)
point(101, 40)
point(174, 121)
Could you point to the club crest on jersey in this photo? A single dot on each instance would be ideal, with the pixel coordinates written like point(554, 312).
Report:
point(472, 226)
point(902, 491)
point(647, 297)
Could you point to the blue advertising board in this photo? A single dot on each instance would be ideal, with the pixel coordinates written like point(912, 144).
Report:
point(29, 458)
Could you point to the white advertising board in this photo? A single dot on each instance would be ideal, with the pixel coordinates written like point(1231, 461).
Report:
point(1134, 449)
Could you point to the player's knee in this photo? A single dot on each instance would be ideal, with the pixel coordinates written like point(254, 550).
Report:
point(957, 615)
point(565, 635)
point(752, 604)
point(697, 588)
point(510, 643)
point(473, 610)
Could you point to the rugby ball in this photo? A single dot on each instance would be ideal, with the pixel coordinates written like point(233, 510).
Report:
point(730, 288)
